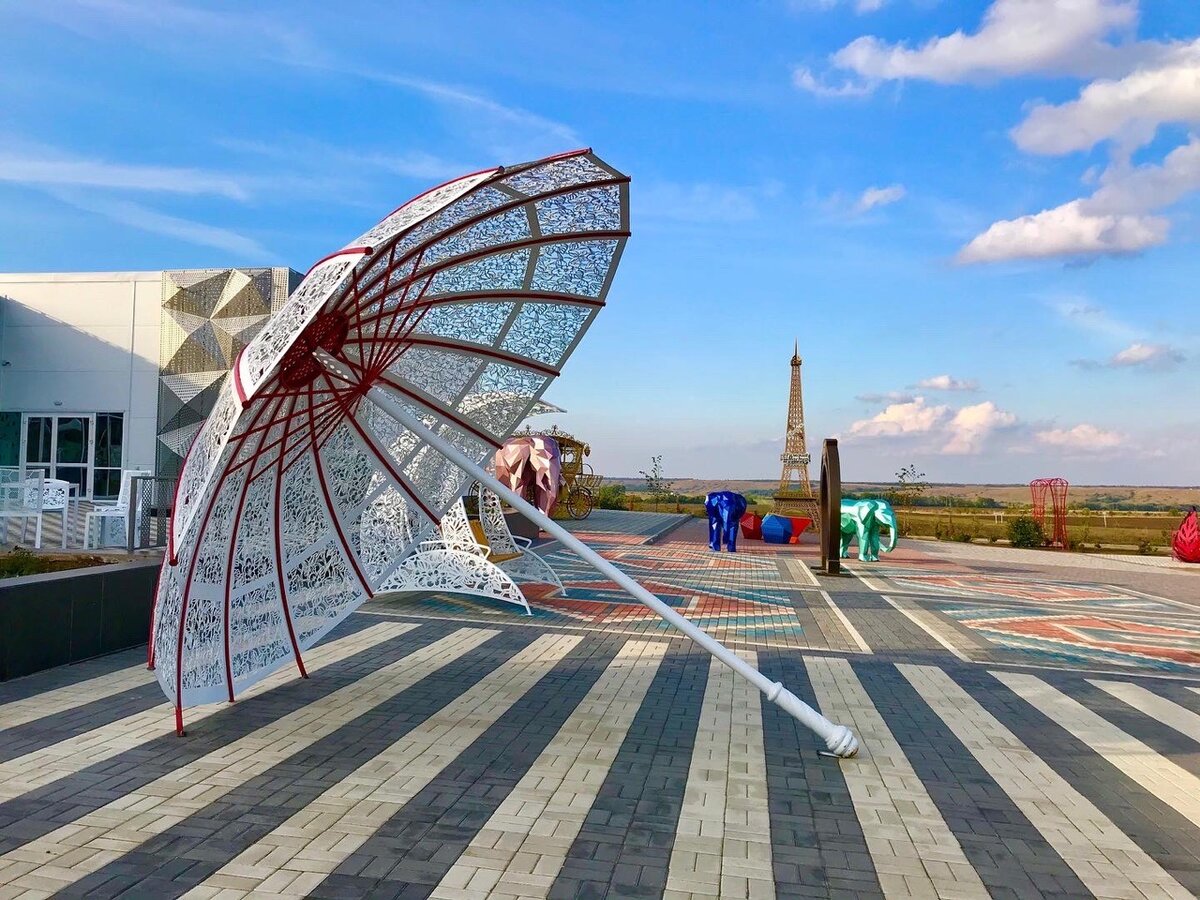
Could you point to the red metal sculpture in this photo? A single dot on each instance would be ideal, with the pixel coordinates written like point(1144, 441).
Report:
point(752, 526)
point(1057, 489)
point(1186, 543)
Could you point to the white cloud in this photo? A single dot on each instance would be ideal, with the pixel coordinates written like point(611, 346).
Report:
point(860, 6)
point(137, 216)
point(1118, 218)
point(1016, 37)
point(1138, 355)
point(1082, 438)
point(947, 383)
point(914, 417)
point(1093, 319)
point(972, 425)
point(479, 104)
point(889, 397)
point(1125, 188)
point(873, 197)
point(804, 79)
point(1063, 231)
point(1128, 109)
point(47, 168)
point(957, 432)
point(1138, 86)
point(318, 159)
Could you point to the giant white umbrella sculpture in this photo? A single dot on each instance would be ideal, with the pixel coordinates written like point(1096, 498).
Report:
point(369, 403)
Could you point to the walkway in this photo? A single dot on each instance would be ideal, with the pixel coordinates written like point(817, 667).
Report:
point(1023, 735)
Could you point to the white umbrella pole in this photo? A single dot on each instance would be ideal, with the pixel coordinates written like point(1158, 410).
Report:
point(838, 738)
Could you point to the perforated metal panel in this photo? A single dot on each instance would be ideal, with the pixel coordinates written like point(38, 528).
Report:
point(208, 316)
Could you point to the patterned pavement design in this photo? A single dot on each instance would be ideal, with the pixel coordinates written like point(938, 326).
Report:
point(990, 587)
point(1043, 621)
point(446, 748)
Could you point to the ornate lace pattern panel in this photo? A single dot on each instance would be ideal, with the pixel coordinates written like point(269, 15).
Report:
point(257, 632)
point(416, 210)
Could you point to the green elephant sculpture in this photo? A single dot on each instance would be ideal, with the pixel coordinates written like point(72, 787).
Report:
point(863, 519)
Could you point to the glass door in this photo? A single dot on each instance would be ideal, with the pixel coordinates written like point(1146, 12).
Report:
point(64, 447)
point(73, 452)
point(37, 444)
point(106, 470)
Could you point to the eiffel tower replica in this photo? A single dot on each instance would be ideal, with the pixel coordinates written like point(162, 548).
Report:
point(795, 495)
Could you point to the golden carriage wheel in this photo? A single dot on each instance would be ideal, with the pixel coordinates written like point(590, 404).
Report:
point(580, 502)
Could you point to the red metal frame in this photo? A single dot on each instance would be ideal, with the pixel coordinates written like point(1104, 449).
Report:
point(280, 574)
point(361, 251)
point(187, 584)
point(1057, 489)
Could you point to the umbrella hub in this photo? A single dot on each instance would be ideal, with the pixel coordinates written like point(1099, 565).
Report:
point(299, 367)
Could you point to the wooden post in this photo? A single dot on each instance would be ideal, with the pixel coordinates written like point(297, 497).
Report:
point(831, 508)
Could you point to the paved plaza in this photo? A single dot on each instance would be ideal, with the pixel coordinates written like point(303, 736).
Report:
point(1028, 729)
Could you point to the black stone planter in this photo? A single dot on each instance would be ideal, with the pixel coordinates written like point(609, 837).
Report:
point(65, 617)
point(521, 526)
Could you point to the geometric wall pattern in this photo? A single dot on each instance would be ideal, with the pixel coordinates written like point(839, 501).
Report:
point(208, 316)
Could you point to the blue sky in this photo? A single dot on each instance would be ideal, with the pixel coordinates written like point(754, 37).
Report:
point(978, 218)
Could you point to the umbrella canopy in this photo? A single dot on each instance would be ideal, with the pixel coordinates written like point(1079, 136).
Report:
point(366, 406)
point(299, 496)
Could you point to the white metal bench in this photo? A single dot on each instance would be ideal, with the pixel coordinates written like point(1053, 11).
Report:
point(482, 558)
point(513, 554)
point(455, 563)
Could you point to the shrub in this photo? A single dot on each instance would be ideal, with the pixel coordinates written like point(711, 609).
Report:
point(964, 537)
point(1024, 531)
point(612, 496)
point(1145, 548)
point(21, 562)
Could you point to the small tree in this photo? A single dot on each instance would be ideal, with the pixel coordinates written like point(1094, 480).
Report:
point(1024, 531)
point(910, 486)
point(657, 486)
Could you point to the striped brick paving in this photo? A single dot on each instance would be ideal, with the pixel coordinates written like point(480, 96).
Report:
point(445, 748)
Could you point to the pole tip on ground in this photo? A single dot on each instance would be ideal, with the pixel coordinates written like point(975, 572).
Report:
point(842, 743)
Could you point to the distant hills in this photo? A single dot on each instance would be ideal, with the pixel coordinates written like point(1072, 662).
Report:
point(1097, 495)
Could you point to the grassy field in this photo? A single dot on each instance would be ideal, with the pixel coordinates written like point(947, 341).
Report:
point(1088, 530)
point(1106, 495)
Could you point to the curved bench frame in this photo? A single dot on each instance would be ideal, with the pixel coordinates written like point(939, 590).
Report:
point(513, 554)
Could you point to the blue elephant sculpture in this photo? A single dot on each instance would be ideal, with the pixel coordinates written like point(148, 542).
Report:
point(862, 519)
point(725, 510)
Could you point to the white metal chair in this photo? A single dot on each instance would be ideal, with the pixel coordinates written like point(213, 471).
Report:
point(56, 497)
point(512, 553)
point(118, 510)
point(455, 563)
point(21, 497)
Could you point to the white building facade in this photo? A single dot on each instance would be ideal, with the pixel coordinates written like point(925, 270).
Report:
point(105, 371)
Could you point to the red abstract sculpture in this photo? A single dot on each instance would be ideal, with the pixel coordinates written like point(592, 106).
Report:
point(799, 526)
point(752, 527)
point(1057, 488)
point(1185, 545)
point(531, 466)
